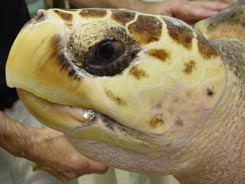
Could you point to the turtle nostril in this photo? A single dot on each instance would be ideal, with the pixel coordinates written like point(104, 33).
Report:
point(39, 16)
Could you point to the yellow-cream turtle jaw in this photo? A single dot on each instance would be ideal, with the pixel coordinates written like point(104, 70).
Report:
point(154, 75)
point(86, 124)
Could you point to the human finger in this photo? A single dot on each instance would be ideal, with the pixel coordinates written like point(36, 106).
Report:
point(192, 11)
point(209, 5)
point(97, 167)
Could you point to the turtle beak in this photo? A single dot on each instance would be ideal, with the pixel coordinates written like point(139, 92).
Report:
point(32, 62)
point(57, 116)
point(34, 67)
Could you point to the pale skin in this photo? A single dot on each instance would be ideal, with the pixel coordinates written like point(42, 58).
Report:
point(47, 148)
point(186, 10)
point(218, 155)
point(222, 161)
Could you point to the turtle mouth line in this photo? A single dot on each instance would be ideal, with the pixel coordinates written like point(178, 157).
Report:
point(105, 130)
point(64, 117)
point(82, 125)
point(106, 122)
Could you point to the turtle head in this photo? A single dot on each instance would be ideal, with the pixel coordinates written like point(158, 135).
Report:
point(125, 87)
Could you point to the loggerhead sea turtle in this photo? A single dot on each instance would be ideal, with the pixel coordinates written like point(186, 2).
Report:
point(140, 92)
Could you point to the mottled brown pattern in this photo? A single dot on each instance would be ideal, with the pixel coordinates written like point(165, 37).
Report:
point(122, 17)
point(114, 98)
point(189, 67)
point(180, 33)
point(159, 53)
point(67, 17)
point(205, 49)
point(138, 73)
point(146, 29)
point(93, 13)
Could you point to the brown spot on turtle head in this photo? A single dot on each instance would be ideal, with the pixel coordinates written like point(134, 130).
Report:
point(138, 73)
point(67, 17)
point(210, 92)
point(122, 17)
point(189, 67)
point(146, 29)
point(156, 121)
point(114, 98)
point(205, 49)
point(180, 33)
point(159, 54)
point(93, 13)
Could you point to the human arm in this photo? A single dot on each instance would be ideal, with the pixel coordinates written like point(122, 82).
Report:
point(47, 148)
point(186, 10)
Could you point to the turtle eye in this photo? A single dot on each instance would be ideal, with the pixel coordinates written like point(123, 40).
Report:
point(101, 49)
point(105, 58)
point(104, 53)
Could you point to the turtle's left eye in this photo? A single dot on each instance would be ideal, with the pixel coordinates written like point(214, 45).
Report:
point(101, 48)
point(107, 58)
point(104, 53)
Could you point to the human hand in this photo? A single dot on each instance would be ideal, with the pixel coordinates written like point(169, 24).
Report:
point(193, 11)
point(53, 153)
point(226, 1)
point(186, 10)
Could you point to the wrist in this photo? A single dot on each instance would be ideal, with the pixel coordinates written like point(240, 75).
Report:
point(26, 145)
point(14, 136)
point(35, 143)
point(41, 140)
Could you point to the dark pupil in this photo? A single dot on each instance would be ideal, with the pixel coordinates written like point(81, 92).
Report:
point(105, 51)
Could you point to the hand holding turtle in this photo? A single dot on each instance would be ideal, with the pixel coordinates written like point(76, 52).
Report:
point(47, 148)
point(54, 154)
point(193, 11)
